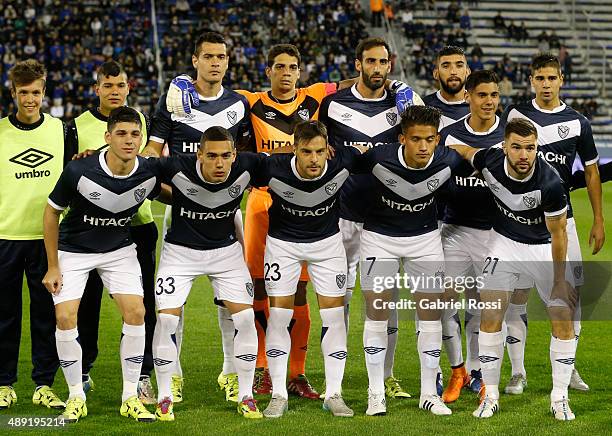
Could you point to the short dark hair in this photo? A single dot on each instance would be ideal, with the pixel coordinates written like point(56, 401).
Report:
point(216, 133)
point(449, 50)
point(123, 114)
point(481, 76)
point(521, 127)
point(110, 68)
point(279, 49)
point(368, 43)
point(211, 38)
point(26, 72)
point(421, 116)
point(545, 60)
point(306, 131)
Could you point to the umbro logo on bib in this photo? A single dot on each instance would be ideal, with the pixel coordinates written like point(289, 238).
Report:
point(94, 195)
point(232, 117)
point(563, 131)
point(234, 191)
point(391, 182)
point(331, 188)
point(530, 202)
point(139, 194)
point(287, 194)
point(31, 158)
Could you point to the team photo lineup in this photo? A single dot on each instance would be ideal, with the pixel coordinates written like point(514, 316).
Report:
point(446, 204)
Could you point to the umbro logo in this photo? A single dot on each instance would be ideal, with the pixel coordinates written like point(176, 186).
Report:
point(275, 352)
point(487, 359)
point(577, 272)
point(433, 184)
point(446, 338)
point(135, 359)
point(232, 117)
point(139, 194)
point(563, 131)
point(331, 188)
point(392, 330)
point(192, 191)
point(31, 158)
point(391, 182)
point(287, 194)
point(493, 188)
point(433, 353)
point(373, 350)
point(340, 355)
point(66, 363)
point(270, 115)
point(161, 362)
point(94, 195)
point(568, 361)
point(247, 357)
point(234, 191)
point(346, 116)
point(530, 202)
point(512, 340)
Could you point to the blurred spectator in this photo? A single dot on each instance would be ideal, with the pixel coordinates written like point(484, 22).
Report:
point(566, 68)
point(513, 31)
point(377, 9)
point(554, 41)
point(465, 20)
point(477, 50)
point(499, 23)
point(452, 12)
point(475, 63)
point(589, 108)
point(543, 45)
point(506, 91)
point(523, 33)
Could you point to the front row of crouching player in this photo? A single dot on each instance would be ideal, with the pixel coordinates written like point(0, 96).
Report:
point(103, 191)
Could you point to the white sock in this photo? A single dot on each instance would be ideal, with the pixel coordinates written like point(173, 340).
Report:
point(165, 353)
point(491, 346)
point(429, 344)
point(226, 325)
point(333, 346)
point(472, 327)
point(70, 357)
point(451, 337)
point(375, 346)
point(278, 345)
point(392, 334)
point(577, 323)
point(244, 351)
point(562, 357)
point(516, 322)
point(347, 300)
point(178, 340)
point(131, 350)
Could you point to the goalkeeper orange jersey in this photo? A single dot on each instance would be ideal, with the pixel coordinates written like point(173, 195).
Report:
point(273, 120)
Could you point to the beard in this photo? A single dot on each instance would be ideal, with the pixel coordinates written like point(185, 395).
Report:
point(519, 170)
point(452, 90)
point(367, 81)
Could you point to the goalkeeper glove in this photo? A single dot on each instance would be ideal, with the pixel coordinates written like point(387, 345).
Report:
point(404, 95)
point(181, 95)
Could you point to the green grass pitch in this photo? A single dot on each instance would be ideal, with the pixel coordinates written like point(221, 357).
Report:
point(204, 410)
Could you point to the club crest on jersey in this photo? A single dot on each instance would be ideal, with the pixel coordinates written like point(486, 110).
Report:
point(563, 131)
point(249, 289)
point(304, 114)
point(331, 188)
point(340, 280)
point(232, 117)
point(433, 184)
point(139, 194)
point(530, 202)
point(234, 191)
point(391, 118)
